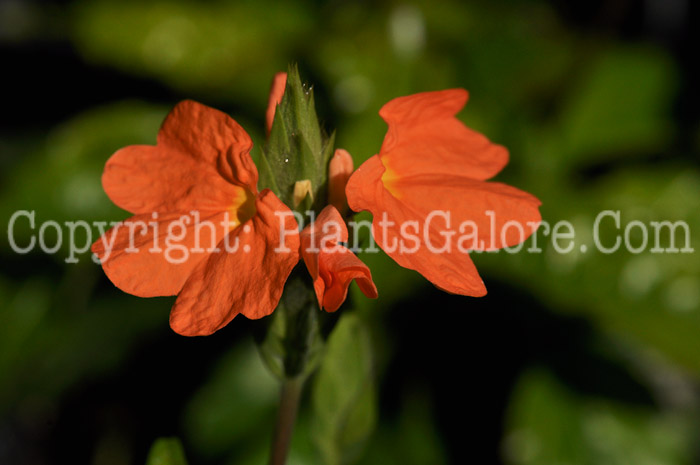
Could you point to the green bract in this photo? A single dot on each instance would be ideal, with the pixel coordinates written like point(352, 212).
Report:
point(297, 149)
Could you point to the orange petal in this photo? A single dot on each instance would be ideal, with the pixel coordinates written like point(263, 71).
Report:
point(337, 270)
point(339, 171)
point(500, 215)
point(365, 184)
point(248, 280)
point(213, 137)
point(424, 136)
point(148, 258)
point(453, 273)
point(201, 159)
point(276, 93)
point(332, 266)
point(430, 247)
point(143, 179)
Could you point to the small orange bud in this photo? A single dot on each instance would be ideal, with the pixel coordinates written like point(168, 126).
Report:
point(339, 171)
point(279, 82)
point(301, 190)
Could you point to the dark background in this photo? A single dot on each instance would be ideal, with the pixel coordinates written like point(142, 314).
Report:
point(571, 358)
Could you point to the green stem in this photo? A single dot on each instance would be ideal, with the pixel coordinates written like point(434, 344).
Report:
point(286, 417)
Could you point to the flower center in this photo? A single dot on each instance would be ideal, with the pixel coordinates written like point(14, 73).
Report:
point(243, 207)
point(390, 180)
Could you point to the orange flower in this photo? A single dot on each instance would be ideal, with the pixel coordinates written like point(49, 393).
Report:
point(235, 247)
point(331, 265)
point(201, 163)
point(427, 193)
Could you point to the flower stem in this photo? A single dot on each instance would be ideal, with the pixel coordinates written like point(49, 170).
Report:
point(286, 417)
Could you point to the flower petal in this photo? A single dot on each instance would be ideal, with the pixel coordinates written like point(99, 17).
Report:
point(365, 185)
point(201, 162)
point(499, 215)
point(410, 224)
point(142, 179)
point(279, 82)
point(150, 257)
point(332, 266)
point(212, 137)
point(425, 137)
point(454, 273)
point(248, 280)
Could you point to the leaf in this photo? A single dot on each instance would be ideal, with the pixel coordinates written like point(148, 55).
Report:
point(620, 106)
point(344, 398)
point(166, 451)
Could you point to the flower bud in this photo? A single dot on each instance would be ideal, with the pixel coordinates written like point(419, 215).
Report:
point(339, 171)
point(279, 82)
point(301, 190)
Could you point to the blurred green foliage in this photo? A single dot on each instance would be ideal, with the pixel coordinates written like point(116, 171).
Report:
point(166, 451)
point(589, 122)
point(343, 393)
point(551, 425)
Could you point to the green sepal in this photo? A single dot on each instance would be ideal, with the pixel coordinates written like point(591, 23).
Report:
point(306, 204)
point(321, 195)
point(301, 115)
point(297, 149)
point(328, 149)
point(266, 180)
point(166, 451)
